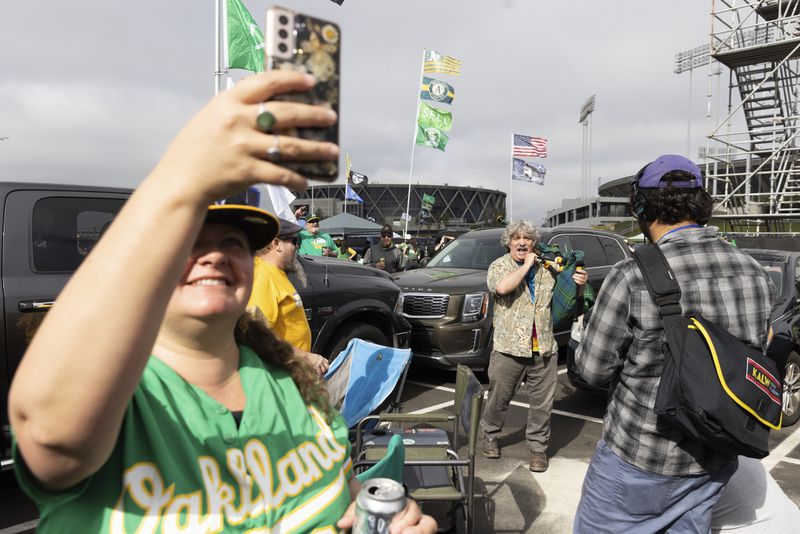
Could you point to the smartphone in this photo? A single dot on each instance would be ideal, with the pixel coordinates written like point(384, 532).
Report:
point(299, 42)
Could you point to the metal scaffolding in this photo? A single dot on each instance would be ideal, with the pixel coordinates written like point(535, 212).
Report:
point(753, 174)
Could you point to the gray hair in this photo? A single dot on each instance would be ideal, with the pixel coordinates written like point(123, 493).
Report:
point(519, 227)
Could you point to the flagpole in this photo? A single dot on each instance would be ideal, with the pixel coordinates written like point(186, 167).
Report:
point(346, 179)
point(511, 182)
point(414, 143)
point(220, 42)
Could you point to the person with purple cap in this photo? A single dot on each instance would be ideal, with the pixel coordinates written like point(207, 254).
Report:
point(646, 476)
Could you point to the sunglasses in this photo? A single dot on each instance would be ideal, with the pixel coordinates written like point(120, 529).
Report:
point(292, 240)
point(386, 235)
point(315, 223)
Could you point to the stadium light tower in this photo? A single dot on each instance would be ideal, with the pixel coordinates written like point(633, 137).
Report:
point(688, 61)
point(586, 156)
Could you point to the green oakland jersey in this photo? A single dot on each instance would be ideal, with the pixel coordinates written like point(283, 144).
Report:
point(313, 244)
point(181, 464)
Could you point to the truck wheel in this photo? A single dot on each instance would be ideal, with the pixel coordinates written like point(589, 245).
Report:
point(791, 390)
point(363, 331)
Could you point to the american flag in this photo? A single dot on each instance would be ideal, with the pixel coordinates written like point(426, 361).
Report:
point(530, 147)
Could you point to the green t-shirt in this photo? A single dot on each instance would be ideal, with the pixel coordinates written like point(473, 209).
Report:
point(312, 244)
point(181, 464)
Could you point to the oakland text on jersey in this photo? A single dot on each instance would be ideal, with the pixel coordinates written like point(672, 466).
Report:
point(161, 510)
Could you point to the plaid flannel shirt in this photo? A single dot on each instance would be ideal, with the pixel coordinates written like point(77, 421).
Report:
point(623, 339)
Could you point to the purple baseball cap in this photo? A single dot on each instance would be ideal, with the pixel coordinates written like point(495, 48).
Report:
point(655, 170)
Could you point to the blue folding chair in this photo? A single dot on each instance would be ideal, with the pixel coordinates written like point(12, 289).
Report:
point(434, 470)
point(363, 376)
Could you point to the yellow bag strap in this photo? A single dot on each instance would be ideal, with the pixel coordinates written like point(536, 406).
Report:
point(699, 327)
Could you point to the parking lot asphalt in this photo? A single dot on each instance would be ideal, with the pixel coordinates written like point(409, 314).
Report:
point(510, 498)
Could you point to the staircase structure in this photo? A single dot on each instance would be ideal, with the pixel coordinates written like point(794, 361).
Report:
point(754, 175)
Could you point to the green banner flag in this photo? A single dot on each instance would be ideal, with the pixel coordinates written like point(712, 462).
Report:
point(432, 123)
point(428, 201)
point(432, 137)
point(429, 116)
point(245, 39)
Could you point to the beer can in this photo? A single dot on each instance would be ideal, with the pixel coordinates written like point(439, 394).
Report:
point(379, 500)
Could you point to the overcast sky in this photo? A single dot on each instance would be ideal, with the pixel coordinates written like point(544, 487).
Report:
point(92, 91)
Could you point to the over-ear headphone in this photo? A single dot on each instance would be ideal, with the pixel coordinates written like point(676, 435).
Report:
point(639, 205)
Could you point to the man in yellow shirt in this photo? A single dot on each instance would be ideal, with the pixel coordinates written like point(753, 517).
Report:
point(276, 297)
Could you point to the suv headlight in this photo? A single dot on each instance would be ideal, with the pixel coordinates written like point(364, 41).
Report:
point(475, 305)
point(398, 306)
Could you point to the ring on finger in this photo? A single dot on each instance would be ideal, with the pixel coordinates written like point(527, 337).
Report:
point(265, 120)
point(274, 152)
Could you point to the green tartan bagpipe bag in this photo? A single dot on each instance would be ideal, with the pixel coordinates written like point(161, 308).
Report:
point(566, 305)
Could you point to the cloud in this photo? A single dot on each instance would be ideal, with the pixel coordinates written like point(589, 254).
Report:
point(94, 91)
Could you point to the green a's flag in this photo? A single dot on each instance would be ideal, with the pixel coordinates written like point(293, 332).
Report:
point(245, 40)
point(431, 125)
point(437, 90)
point(432, 137)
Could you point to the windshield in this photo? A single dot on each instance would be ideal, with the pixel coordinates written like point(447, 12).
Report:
point(775, 273)
point(469, 253)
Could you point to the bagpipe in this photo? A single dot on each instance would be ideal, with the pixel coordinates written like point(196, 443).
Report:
point(569, 301)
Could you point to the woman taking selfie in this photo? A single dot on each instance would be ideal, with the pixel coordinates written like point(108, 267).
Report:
point(149, 401)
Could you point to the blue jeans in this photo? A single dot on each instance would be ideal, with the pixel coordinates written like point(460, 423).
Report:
point(618, 497)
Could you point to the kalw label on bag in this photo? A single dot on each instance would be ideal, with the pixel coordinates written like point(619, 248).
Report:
point(764, 381)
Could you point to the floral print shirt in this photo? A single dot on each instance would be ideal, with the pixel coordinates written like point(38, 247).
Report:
point(514, 313)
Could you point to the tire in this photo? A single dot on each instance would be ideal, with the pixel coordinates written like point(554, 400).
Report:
point(791, 390)
point(347, 332)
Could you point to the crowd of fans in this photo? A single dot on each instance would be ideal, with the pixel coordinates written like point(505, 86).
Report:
point(188, 405)
point(390, 253)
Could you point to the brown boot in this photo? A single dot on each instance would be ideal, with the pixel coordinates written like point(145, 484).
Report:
point(490, 447)
point(538, 462)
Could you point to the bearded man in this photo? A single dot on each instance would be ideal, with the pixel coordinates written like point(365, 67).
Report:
point(276, 297)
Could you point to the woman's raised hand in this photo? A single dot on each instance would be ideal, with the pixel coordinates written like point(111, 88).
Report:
point(221, 150)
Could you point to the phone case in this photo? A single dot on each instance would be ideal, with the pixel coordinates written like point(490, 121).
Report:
point(315, 44)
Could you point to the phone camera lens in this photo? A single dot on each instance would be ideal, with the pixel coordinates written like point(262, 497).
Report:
point(283, 34)
point(283, 19)
point(282, 47)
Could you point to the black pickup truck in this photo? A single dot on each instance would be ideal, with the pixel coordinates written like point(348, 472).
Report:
point(47, 230)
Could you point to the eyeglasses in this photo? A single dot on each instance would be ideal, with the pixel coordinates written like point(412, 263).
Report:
point(386, 235)
point(292, 240)
point(315, 223)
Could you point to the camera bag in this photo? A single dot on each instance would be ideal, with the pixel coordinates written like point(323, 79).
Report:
point(714, 388)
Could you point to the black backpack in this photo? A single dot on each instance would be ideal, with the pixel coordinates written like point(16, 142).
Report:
point(714, 388)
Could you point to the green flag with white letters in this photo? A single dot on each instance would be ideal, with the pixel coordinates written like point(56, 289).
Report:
point(245, 40)
point(432, 123)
